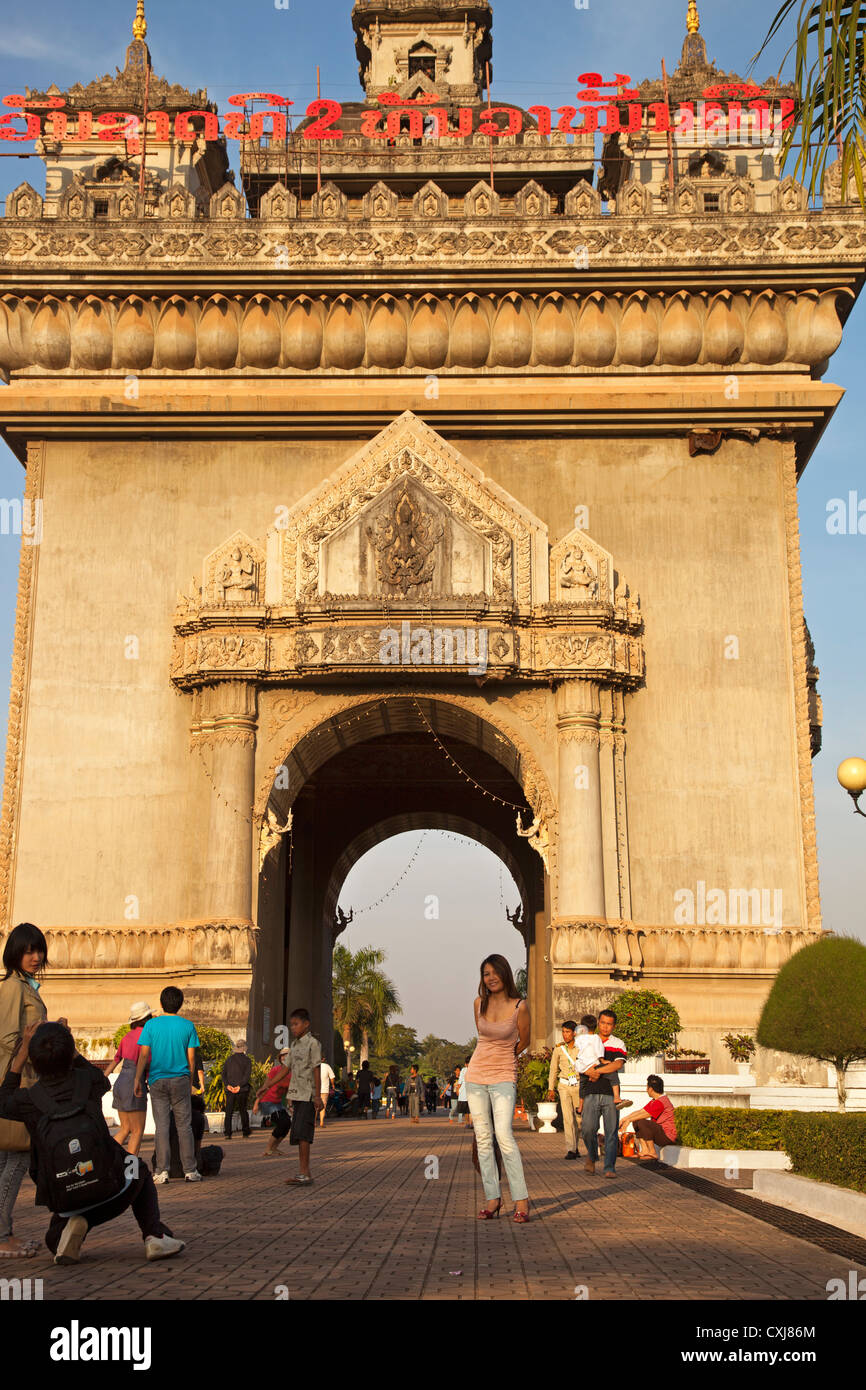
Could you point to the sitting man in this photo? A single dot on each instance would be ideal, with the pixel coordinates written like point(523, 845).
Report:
point(656, 1123)
point(96, 1179)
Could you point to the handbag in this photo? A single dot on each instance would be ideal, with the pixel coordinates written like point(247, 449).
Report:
point(497, 1154)
point(628, 1146)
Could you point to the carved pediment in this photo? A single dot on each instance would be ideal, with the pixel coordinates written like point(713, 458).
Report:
point(234, 574)
point(409, 519)
point(580, 571)
point(24, 201)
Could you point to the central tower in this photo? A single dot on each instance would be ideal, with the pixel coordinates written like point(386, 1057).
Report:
point(414, 47)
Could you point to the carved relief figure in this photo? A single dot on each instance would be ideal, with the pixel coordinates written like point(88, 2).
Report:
point(271, 834)
point(575, 573)
point(237, 578)
point(538, 836)
point(405, 546)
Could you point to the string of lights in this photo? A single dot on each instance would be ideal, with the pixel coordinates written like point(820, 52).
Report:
point(513, 805)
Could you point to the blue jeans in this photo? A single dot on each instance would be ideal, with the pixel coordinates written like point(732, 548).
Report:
point(496, 1103)
point(390, 1100)
point(595, 1108)
point(454, 1107)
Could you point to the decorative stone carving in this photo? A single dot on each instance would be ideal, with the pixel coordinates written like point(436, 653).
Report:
point(408, 452)
point(790, 196)
point(279, 203)
point(582, 201)
point(580, 571)
point(481, 201)
point(532, 201)
point(430, 202)
point(24, 201)
point(499, 331)
point(234, 573)
point(228, 204)
point(75, 202)
point(738, 196)
point(634, 199)
point(405, 546)
point(380, 201)
point(271, 834)
point(232, 652)
point(331, 203)
point(538, 836)
point(177, 203)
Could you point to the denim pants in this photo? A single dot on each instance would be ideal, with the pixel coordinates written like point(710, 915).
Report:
point(13, 1166)
point(597, 1107)
point(454, 1100)
point(492, 1109)
point(391, 1100)
point(172, 1095)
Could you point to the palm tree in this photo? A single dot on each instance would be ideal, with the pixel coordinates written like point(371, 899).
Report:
point(363, 996)
point(831, 87)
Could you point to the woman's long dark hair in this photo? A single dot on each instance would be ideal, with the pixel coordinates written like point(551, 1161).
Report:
point(503, 970)
point(24, 937)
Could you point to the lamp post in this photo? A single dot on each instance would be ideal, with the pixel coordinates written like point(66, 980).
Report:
point(852, 776)
point(349, 1050)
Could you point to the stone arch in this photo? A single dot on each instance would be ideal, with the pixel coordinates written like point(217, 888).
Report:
point(418, 820)
point(308, 749)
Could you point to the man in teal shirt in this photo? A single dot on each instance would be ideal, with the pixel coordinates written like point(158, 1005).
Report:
point(167, 1053)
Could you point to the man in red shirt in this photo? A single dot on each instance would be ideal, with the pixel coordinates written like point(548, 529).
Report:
point(656, 1123)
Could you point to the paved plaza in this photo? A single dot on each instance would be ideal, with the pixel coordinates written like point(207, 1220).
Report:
point(375, 1226)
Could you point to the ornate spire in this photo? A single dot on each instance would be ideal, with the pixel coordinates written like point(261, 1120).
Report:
point(139, 24)
point(693, 19)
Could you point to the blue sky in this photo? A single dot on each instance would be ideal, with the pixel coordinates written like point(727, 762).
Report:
point(539, 50)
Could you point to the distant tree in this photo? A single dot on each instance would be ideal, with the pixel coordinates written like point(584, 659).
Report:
point(816, 1006)
point(363, 995)
point(438, 1057)
point(401, 1046)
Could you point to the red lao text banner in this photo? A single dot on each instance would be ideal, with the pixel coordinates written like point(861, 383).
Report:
point(604, 107)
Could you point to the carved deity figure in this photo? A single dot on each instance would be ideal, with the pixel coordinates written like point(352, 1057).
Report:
point(575, 573)
point(538, 836)
point(237, 578)
point(405, 545)
point(271, 834)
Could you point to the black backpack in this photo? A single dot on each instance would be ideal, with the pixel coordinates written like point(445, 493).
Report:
point(77, 1159)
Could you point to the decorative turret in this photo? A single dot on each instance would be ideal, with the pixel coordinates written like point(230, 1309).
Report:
point(694, 54)
point(418, 46)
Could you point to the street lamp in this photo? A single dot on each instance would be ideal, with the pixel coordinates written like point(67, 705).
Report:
point(852, 776)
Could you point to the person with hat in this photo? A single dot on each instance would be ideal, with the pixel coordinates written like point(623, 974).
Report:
point(131, 1109)
point(272, 1101)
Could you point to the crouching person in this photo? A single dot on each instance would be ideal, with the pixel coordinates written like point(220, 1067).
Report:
point(81, 1174)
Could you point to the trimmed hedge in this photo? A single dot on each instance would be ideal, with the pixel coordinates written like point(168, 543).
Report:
point(827, 1146)
point(716, 1127)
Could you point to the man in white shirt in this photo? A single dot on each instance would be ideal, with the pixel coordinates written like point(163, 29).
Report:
point(327, 1081)
point(572, 1057)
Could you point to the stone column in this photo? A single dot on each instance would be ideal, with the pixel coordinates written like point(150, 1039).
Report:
point(303, 902)
point(580, 848)
point(226, 728)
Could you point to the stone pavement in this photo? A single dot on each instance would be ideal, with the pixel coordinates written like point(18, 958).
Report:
point(374, 1226)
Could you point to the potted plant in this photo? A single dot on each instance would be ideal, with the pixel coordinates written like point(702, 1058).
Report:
point(741, 1047)
point(685, 1061)
point(533, 1069)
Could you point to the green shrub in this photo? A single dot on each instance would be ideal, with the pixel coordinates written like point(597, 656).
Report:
point(533, 1070)
point(120, 1035)
point(646, 1021)
point(815, 1008)
point(827, 1146)
point(716, 1127)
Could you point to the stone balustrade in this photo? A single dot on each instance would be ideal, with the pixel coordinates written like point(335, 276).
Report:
point(189, 947)
point(628, 948)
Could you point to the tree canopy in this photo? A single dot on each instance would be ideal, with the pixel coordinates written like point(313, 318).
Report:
point(816, 1006)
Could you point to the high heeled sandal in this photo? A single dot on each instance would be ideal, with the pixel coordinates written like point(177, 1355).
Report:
point(486, 1214)
point(520, 1218)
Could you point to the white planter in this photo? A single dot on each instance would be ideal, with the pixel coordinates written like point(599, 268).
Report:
point(547, 1113)
point(744, 1069)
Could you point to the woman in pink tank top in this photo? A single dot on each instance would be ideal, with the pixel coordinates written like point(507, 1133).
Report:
point(502, 1021)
